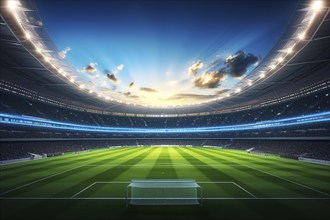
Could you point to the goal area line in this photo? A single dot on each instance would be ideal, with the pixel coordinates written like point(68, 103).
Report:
point(201, 182)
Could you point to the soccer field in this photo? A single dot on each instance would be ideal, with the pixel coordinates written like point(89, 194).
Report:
point(235, 184)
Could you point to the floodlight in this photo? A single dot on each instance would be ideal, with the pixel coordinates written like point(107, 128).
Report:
point(12, 5)
point(27, 35)
point(289, 50)
point(316, 6)
point(301, 36)
point(38, 49)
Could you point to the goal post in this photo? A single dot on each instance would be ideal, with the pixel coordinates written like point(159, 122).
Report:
point(164, 192)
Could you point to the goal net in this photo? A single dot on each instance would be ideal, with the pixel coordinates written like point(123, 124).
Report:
point(163, 192)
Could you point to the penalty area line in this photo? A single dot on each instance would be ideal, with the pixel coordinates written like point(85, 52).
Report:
point(226, 182)
point(98, 182)
point(83, 190)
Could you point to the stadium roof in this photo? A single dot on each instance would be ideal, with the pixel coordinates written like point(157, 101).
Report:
point(31, 60)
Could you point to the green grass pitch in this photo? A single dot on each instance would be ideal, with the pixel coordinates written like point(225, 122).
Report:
point(236, 185)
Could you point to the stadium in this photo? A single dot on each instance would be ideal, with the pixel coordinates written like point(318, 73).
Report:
point(166, 109)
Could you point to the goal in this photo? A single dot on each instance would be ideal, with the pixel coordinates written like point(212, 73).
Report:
point(164, 192)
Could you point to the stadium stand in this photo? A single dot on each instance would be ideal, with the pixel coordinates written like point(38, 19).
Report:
point(307, 105)
point(291, 149)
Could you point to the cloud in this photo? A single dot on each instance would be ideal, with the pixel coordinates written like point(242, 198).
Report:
point(110, 75)
point(192, 70)
point(63, 53)
point(210, 80)
point(221, 91)
point(190, 97)
point(120, 67)
point(234, 66)
point(146, 89)
point(237, 64)
point(131, 85)
point(129, 94)
point(113, 78)
point(90, 68)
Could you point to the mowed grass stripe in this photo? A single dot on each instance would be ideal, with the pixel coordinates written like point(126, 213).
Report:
point(283, 187)
point(43, 171)
point(107, 158)
point(187, 172)
point(66, 184)
point(31, 163)
point(171, 170)
point(259, 184)
point(216, 174)
point(51, 160)
point(124, 164)
point(166, 170)
point(153, 171)
point(108, 174)
point(281, 163)
point(140, 171)
point(278, 168)
point(76, 159)
point(90, 174)
point(117, 186)
point(119, 172)
point(204, 174)
point(26, 179)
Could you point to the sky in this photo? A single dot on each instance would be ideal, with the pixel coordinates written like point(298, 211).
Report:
point(165, 52)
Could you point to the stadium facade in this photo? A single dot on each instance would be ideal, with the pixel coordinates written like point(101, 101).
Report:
point(230, 153)
point(285, 97)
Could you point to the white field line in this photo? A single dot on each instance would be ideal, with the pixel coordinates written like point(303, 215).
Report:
point(245, 190)
point(169, 164)
point(163, 164)
point(114, 182)
point(210, 182)
point(291, 181)
point(98, 182)
point(83, 190)
point(126, 182)
point(123, 198)
point(47, 177)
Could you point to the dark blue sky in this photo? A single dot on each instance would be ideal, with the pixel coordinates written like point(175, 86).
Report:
point(157, 41)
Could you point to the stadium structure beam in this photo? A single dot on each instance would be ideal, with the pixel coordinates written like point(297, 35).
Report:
point(308, 62)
